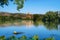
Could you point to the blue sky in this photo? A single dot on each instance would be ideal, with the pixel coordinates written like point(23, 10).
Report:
point(34, 6)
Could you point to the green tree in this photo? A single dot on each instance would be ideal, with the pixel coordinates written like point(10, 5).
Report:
point(36, 17)
point(19, 3)
point(50, 16)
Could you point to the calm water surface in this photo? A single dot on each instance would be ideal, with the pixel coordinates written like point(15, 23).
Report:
point(30, 28)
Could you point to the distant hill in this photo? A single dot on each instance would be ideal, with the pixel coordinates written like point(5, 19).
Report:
point(17, 15)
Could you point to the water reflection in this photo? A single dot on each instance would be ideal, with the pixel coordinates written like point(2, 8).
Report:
point(51, 25)
point(27, 23)
point(59, 27)
point(37, 23)
point(30, 23)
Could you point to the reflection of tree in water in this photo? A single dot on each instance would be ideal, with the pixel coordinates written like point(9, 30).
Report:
point(37, 23)
point(51, 25)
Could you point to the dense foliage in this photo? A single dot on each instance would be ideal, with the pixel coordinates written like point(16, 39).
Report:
point(35, 37)
point(51, 16)
point(19, 3)
point(47, 17)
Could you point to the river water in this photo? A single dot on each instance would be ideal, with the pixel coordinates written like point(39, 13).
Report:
point(30, 28)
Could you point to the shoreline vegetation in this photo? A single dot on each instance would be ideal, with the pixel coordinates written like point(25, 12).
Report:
point(35, 37)
point(49, 16)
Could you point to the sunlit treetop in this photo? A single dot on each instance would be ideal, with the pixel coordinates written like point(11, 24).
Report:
point(19, 3)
